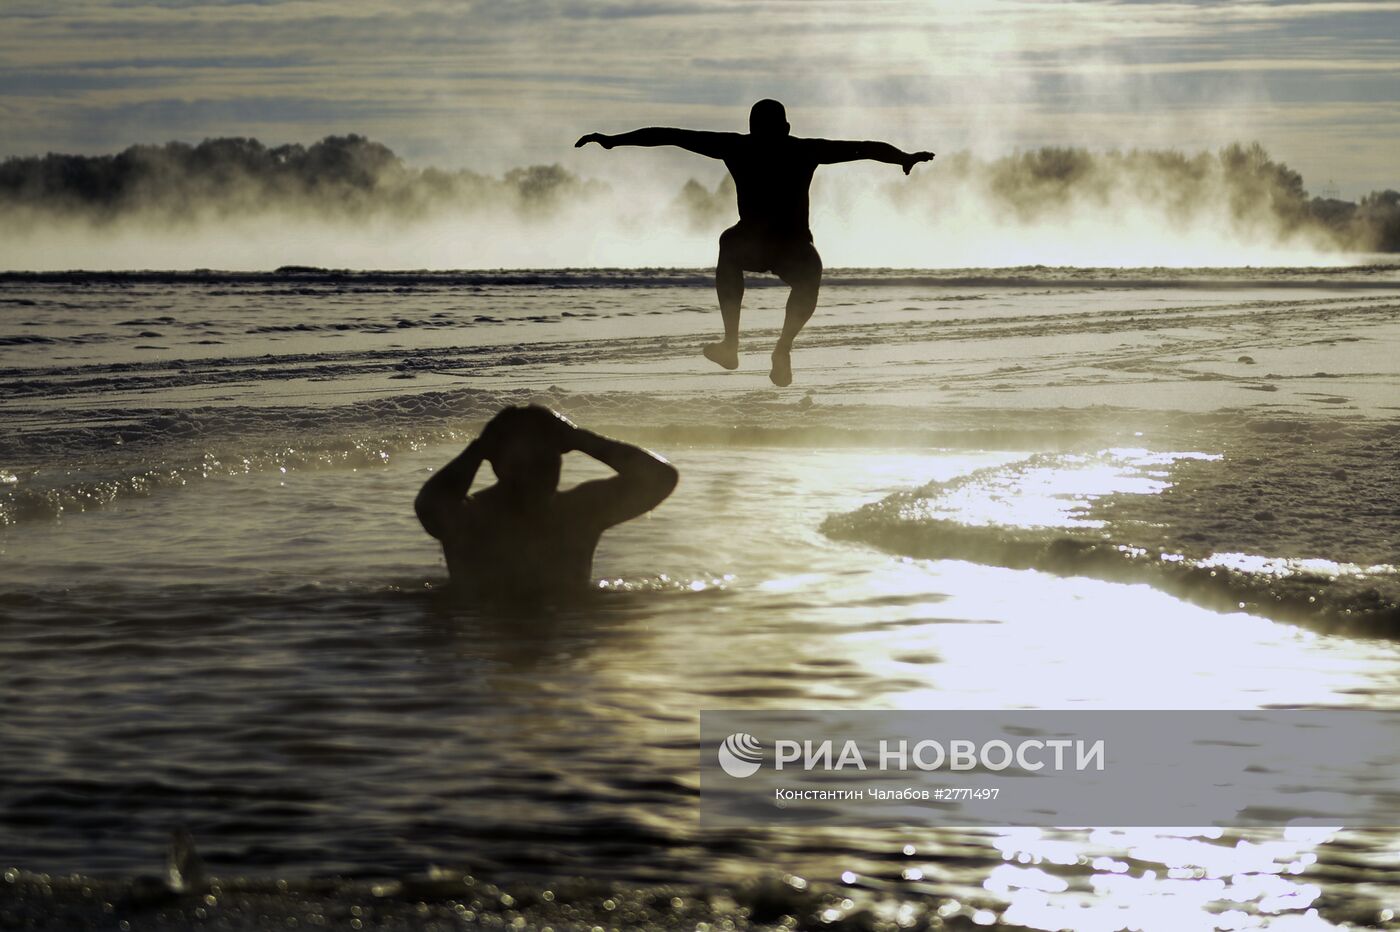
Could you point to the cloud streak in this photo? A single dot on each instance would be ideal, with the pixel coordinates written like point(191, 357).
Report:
point(508, 81)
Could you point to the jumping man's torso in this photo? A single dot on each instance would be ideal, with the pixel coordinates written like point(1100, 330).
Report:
point(772, 177)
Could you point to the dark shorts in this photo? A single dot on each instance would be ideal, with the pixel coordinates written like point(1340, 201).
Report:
point(791, 257)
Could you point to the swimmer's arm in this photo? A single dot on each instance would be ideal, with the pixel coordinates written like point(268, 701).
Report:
point(701, 142)
point(643, 479)
point(829, 151)
point(447, 489)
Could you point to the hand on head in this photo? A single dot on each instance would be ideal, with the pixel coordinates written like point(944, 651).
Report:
point(549, 428)
point(556, 425)
point(915, 158)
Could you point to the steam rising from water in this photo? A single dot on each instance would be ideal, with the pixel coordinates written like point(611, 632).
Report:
point(349, 202)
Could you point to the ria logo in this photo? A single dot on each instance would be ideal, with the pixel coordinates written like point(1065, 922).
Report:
point(740, 755)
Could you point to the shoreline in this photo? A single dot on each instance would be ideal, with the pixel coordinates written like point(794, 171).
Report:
point(1208, 277)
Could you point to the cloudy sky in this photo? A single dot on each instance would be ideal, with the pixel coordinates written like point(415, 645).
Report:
point(496, 83)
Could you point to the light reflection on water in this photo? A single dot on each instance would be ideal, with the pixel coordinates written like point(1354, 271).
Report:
point(1050, 491)
point(268, 662)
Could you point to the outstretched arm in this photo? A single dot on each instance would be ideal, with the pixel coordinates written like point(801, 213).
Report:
point(642, 482)
point(711, 145)
point(829, 151)
point(445, 491)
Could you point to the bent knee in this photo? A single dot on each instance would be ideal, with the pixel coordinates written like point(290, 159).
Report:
point(803, 272)
point(731, 251)
point(733, 240)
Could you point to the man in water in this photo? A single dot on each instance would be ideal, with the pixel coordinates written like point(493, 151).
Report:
point(522, 536)
point(772, 171)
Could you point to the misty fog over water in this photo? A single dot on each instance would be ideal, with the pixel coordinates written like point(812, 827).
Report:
point(347, 201)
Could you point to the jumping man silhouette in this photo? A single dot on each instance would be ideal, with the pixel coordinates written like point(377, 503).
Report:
point(772, 172)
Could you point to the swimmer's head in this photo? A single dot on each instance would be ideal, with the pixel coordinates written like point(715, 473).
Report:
point(768, 118)
point(523, 448)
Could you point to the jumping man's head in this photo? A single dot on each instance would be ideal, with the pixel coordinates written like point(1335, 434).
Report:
point(768, 118)
point(523, 448)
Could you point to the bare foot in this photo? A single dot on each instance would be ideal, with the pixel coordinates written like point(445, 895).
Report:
point(726, 354)
point(782, 368)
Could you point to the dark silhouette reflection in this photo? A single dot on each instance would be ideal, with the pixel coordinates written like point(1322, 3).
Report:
point(504, 646)
point(523, 539)
point(772, 172)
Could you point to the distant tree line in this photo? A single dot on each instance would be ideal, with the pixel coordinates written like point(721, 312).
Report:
point(1240, 184)
point(1252, 187)
point(351, 176)
point(340, 175)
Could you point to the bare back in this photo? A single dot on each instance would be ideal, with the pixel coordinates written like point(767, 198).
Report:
point(523, 537)
point(546, 548)
point(772, 178)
